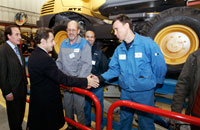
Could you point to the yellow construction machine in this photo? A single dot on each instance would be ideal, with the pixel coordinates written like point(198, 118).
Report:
point(173, 24)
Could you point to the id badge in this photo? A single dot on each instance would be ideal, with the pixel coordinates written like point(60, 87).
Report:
point(122, 57)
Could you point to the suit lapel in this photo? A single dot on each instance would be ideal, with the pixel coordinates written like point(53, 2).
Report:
point(11, 53)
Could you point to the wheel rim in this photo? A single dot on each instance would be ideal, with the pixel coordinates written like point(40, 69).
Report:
point(176, 43)
point(60, 36)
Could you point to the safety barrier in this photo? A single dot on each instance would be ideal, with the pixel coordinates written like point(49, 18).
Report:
point(149, 109)
point(97, 105)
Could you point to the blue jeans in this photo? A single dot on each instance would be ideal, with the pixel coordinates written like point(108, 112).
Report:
point(88, 102)
point(146, 120)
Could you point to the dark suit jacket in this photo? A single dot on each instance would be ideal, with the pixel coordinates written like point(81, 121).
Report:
point(12, 73)
point(45, 109)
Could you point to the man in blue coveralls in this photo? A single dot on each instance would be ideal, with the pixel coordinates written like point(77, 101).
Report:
point(139, 64)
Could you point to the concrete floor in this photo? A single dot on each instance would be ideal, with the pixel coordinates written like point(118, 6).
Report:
point(3, 119)
point(3, 116)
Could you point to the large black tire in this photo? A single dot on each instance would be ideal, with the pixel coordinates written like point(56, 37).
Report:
point(185, 20)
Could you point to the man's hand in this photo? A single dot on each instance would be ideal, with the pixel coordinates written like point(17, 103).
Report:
point(10, 97)
point(93, 81)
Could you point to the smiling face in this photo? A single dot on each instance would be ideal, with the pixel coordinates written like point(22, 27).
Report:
point(90, 36)
point(15, 37)
point(73, 31)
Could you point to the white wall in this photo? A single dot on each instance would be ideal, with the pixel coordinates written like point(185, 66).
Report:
point(9, 8)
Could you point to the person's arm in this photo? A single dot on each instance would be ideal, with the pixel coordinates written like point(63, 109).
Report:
point(158, 64)
point(86, 61)
point(4, 83)
point(185, 81)
point(114, 68)
point(51, 71)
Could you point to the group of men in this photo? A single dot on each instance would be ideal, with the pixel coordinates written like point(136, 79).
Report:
point(137, 62)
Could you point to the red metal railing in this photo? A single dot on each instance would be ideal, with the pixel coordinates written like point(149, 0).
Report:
point(149, 109)
point(97, 104)
point(192, 3)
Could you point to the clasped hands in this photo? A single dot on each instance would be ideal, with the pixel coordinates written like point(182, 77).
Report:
point(93, 81)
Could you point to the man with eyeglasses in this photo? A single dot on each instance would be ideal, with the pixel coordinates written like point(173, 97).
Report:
point(74, 59)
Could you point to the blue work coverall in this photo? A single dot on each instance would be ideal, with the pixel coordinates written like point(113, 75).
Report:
point(139, 69)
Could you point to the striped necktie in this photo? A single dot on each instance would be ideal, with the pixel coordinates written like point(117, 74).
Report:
point(18, 54)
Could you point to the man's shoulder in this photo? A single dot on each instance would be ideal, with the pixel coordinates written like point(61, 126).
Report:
point(64, 43)
point(195, 54)
point(84, 41)
point(38, 56)
point(4, 47)
point(143, 38)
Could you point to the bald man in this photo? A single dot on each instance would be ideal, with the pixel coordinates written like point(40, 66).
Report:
point(99, 65)
point(74, 59)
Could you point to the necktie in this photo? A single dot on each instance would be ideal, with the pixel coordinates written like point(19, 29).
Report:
point(18, 54)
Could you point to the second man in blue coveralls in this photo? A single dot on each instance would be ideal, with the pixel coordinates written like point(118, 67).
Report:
point(139, 64)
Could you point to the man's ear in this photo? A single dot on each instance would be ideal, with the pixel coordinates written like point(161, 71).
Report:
point(42, 40)
point(8, 36)
point(78, 31)
point(127, 25)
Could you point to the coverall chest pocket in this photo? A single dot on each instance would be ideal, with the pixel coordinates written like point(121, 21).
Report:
point(143, 68)
point(140, 63)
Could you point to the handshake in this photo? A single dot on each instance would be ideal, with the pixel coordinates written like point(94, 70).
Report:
point(93, 81)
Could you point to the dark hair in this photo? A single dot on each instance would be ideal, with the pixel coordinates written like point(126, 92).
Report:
point(9, 31)
point(91, 31)
point(123, 19)
point(42, 33)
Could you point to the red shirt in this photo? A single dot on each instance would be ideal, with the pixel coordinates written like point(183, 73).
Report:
point(196, 107)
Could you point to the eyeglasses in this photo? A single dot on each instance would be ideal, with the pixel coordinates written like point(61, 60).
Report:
point(71, 30)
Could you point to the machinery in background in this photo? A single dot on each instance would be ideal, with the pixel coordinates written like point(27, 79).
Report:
point(173, 24)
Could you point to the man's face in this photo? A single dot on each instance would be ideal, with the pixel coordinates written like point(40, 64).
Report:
point(90, 36)
point(72, 30)
point(15, 37)
point(49, 43)
point(120, 30)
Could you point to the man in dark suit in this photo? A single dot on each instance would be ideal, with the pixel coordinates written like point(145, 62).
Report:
point(13, 82)
point(45, 109)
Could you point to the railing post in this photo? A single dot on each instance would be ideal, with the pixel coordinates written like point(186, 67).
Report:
point(95, 100)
